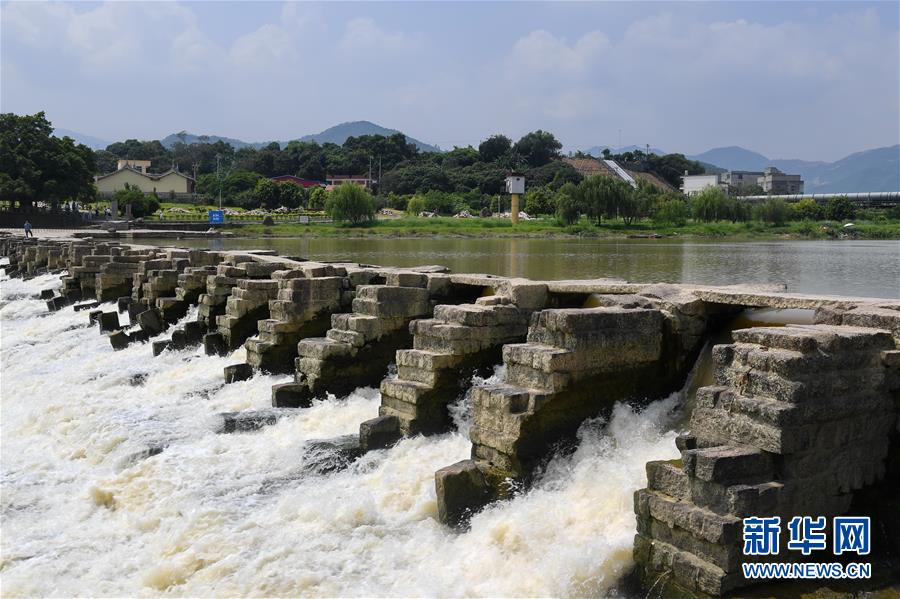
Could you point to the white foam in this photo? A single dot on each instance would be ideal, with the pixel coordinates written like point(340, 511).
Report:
point(85, 512)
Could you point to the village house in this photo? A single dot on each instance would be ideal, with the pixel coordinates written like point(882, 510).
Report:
point(134, 172)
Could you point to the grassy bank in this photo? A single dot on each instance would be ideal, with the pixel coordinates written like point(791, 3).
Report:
point(477, 228)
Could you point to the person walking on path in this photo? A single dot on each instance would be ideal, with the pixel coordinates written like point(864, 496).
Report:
point(28, 232)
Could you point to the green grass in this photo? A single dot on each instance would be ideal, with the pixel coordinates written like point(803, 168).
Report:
point(454, 227)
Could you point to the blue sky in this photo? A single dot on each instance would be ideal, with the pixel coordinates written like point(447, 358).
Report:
point(790, 80)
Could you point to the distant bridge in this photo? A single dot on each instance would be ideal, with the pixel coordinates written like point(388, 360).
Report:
point(863, 199)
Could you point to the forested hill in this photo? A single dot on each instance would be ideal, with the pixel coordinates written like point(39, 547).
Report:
point(337, 134)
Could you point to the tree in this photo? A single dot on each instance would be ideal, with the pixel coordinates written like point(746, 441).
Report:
point(568, 207)
point(494, 148)
point(671, 211)
point(317, 198)
point(710, 205)
point(840, 209)
point(35, 165)
point(671, 167)
point(142, 204)
point(350, 203)
point(539, 200)
point(604, 195)
point(267, 194)
point(538, 148)
point(807, 209)
point(415, 206)
point(291, 195)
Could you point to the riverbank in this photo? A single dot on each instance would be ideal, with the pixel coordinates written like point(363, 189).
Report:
point(549, 228)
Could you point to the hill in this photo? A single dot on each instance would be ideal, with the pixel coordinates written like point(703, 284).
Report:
point(337, 134)
point(94, 143)
point(189, 138)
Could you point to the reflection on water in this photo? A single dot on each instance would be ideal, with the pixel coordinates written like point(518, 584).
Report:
point(861, 268)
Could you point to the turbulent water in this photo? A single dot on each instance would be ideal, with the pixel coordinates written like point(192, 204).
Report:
point(115, 482)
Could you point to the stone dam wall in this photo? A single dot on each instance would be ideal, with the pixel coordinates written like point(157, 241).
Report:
point(801, 419)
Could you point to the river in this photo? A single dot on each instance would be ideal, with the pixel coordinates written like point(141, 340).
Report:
point(116, 483)
point(861, 268)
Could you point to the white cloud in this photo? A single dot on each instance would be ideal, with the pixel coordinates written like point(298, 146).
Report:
point(266, 48)
point(541, 52)
point(364, 35)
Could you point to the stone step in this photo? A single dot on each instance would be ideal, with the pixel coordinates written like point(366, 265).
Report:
point(728, 464)
point(426, 360)
point(408, 392)
point(351, 337)
point(475, 315)
point(809, 338)
point(323, 349)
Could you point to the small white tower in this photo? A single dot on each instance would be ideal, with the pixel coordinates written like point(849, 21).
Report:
point(515, 186)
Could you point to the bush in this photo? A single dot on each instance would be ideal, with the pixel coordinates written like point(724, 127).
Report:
point(840, 209)
point(671, 212)
point(415, 206)
point(141, 205)
point(773, 211)
point(807, 209)
point(539, 200)
point(350, 203)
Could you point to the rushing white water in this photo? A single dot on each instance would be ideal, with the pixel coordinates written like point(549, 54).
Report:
point(87, 510)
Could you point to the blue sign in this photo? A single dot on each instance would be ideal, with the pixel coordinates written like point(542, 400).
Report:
point(216, 217)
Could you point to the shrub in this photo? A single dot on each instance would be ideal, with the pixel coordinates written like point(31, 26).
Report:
point(671, 212)
point(840, 209)
point(773, 211)
point(539, 200)
point(350, 203)
point(807, 209)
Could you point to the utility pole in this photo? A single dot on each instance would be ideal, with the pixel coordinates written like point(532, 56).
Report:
point(219, 178)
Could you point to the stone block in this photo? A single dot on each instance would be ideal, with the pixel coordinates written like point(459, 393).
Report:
point(152, 322)
point(291, 395)
point(379, 433)
point(122, 303)
point(238, 372)
point(159, 347)
point(728, 464)
point(193, 332)
point(407, 279)
point(119, 339)
point(214, 344)
point(109, 321)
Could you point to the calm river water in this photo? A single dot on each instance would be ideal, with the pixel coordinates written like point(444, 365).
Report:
point(863, 268)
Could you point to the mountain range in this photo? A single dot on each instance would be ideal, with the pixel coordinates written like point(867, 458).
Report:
point(870, 170)
point(877, 169)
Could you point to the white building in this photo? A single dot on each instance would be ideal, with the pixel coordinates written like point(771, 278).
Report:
point(694, 184)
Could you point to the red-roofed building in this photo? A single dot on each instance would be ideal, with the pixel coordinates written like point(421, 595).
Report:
point(298, 181)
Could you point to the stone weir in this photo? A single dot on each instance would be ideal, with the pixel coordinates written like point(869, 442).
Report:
point(459, 340)
point(801, 421)
point(360, 345)
point(574, 365)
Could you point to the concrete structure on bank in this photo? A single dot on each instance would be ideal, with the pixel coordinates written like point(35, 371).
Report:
point(801, 419)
